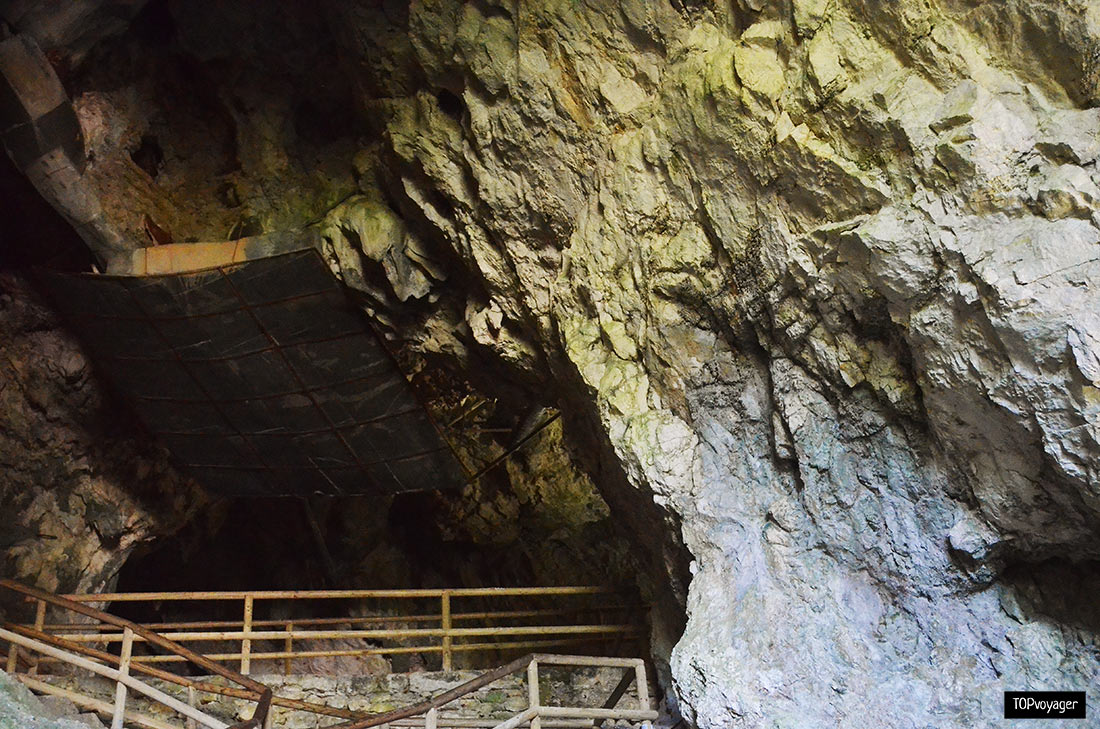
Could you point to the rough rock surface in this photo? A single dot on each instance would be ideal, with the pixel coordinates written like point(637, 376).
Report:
point(817, 278)
point(80, 490)
point(828, 272)
point(20, 709)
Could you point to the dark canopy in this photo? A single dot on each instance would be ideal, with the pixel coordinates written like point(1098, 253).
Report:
point(260, 377)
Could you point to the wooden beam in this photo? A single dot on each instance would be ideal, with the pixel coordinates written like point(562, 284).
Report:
point(533, 699)
point(87, 702)
point(436, 701)
point(174, 678)
point(617, 694)
point(114, 675)
point(120, 687)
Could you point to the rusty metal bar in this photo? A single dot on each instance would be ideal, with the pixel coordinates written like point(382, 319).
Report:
point(508, 453)
point(445, 623)
point(185, 317)
point(333, 594)
point(302, 622)
point(616, 694)
point(436, 701)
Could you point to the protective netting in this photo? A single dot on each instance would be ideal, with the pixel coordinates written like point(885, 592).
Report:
point(260, 377)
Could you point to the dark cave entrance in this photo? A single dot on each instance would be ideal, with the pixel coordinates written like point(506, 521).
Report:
point(397, 543)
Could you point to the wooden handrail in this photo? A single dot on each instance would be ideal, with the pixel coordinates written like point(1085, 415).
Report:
point(263, 705)
point(536, 710)
point(185, 681)
point(449, 634)
point(338, 594)
point(364, 634)
point(444, 698)
point(120, 676)
point(357, 620)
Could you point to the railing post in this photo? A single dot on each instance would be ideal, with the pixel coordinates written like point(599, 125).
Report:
point(123, 670)
point(246, 642)
point(40, 616)
point(431, 719)
point(533, 692)
point(39, 624)
point(643, 691)
point(289, 648)
point(192, 699)
point(13, 659)
point(446, 613)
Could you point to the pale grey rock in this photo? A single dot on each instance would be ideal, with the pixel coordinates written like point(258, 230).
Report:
point(831, 286)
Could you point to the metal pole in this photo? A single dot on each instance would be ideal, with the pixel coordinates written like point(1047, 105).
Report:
point(289, 648)
point(643, 691)
point(246, 643)
point(446, 624)
point(123, 671)
point(39, 622)
point(533, 693)
point(192, 699)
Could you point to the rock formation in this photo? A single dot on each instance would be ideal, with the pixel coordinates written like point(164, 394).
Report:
point(80, 489)
point(814, 282)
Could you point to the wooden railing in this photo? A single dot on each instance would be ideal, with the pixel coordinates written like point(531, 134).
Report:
point(428, 713)
point(446, 632)
point(30, 646)
point(34, 642)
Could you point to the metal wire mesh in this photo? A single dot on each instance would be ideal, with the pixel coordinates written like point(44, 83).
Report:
point(260, 377)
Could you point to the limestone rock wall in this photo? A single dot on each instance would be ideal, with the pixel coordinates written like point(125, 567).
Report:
point(80, 487)
point(825, 272)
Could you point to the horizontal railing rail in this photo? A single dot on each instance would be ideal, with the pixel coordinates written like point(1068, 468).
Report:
point(445, 632)
point(338, 594)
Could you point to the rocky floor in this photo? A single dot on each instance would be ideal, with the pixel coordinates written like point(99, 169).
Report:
point(368, 694)
point(20, 709)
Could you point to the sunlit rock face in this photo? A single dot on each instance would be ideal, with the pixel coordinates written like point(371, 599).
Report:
point(813, 280)
point(827, 272)
point(80, 487)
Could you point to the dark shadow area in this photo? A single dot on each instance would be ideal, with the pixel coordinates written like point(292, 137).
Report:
point(1067, 593)
point(32, 233)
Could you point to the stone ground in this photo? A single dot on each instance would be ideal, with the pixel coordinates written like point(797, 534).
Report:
point(20, 709)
